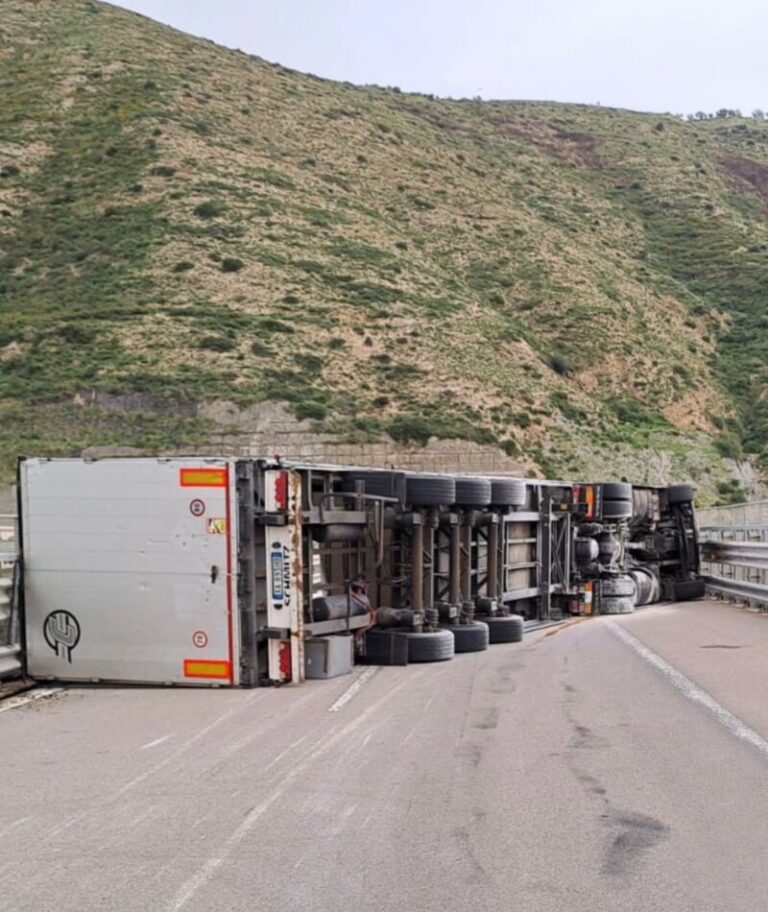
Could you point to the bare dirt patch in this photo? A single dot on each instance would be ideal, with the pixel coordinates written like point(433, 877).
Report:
point(749, 175)
point(579, 148)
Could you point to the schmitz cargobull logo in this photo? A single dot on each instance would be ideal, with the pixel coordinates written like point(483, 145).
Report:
point(62, 633)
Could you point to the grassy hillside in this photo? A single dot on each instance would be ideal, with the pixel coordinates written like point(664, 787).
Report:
point(189, 223)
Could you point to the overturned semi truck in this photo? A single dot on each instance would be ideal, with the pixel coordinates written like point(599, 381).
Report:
point(240, 572)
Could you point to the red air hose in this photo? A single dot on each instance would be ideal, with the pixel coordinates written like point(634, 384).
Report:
point(357, 594)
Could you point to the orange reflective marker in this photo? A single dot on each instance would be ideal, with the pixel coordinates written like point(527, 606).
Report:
point(203, 478)
point(199, 668)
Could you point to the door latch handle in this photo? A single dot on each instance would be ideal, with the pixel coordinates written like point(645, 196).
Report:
point(214, 573)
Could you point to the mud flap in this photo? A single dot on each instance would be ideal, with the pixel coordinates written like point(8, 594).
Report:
point(689, 589)
point(383, 647)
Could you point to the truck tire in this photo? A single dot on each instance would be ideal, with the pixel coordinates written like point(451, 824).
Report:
point(472, 637)
point(677, 494)
point(378, 484)
point(616, 586)
point(472, 492)
point(505, 628)
point(430, 490)
point(506, 492)
point(430, 646)
point(616, 490)
point(617, 509)
point(618, 605)
point(688, 590)
point(647, 586)
point(656, 589)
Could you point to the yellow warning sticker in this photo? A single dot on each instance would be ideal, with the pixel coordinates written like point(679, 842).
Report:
point(216, 526)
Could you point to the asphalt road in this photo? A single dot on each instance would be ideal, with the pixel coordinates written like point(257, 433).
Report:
point(607, 765)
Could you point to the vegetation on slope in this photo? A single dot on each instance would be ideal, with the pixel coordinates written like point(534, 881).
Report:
point(186, 222)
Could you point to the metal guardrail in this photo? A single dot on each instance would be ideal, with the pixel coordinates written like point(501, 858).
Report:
point(8, 536)
point(10, 633)
point(734, 551)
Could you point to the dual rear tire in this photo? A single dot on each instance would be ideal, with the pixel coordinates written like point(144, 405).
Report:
point(619, 605)
point(472, 637)
point(504, 628)
point(617, 500)
point(430, 646)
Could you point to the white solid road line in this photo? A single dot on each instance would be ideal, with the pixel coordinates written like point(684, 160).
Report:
point(692, 691)
point(353, 688)
point(209, 868)
point(41, 694)
point(155, 742)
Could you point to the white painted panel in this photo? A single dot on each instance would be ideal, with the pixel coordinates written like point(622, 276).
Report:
point(126, 571)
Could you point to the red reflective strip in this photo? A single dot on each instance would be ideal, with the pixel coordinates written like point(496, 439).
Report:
point(281, 491)
point(285, 661)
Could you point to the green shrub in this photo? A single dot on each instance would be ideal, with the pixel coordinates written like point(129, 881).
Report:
point(77, 334)
point(559, 365)
point(274, 178)
point(630, 411)
point(311, 363)
point(209, 209)
point(729, 447)
point(510, 447)
point(559, 400)
point(270, 325)
point(409, 429)
point(217, 343)
point(314, 410)
point(522, 419)
point(731, 492)
point(231, 264)
point(183, 266)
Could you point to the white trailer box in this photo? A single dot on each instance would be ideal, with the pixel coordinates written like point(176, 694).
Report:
point(130, 571)
point(187, 570)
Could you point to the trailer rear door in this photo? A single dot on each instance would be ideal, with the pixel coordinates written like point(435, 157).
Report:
point(128, 570)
